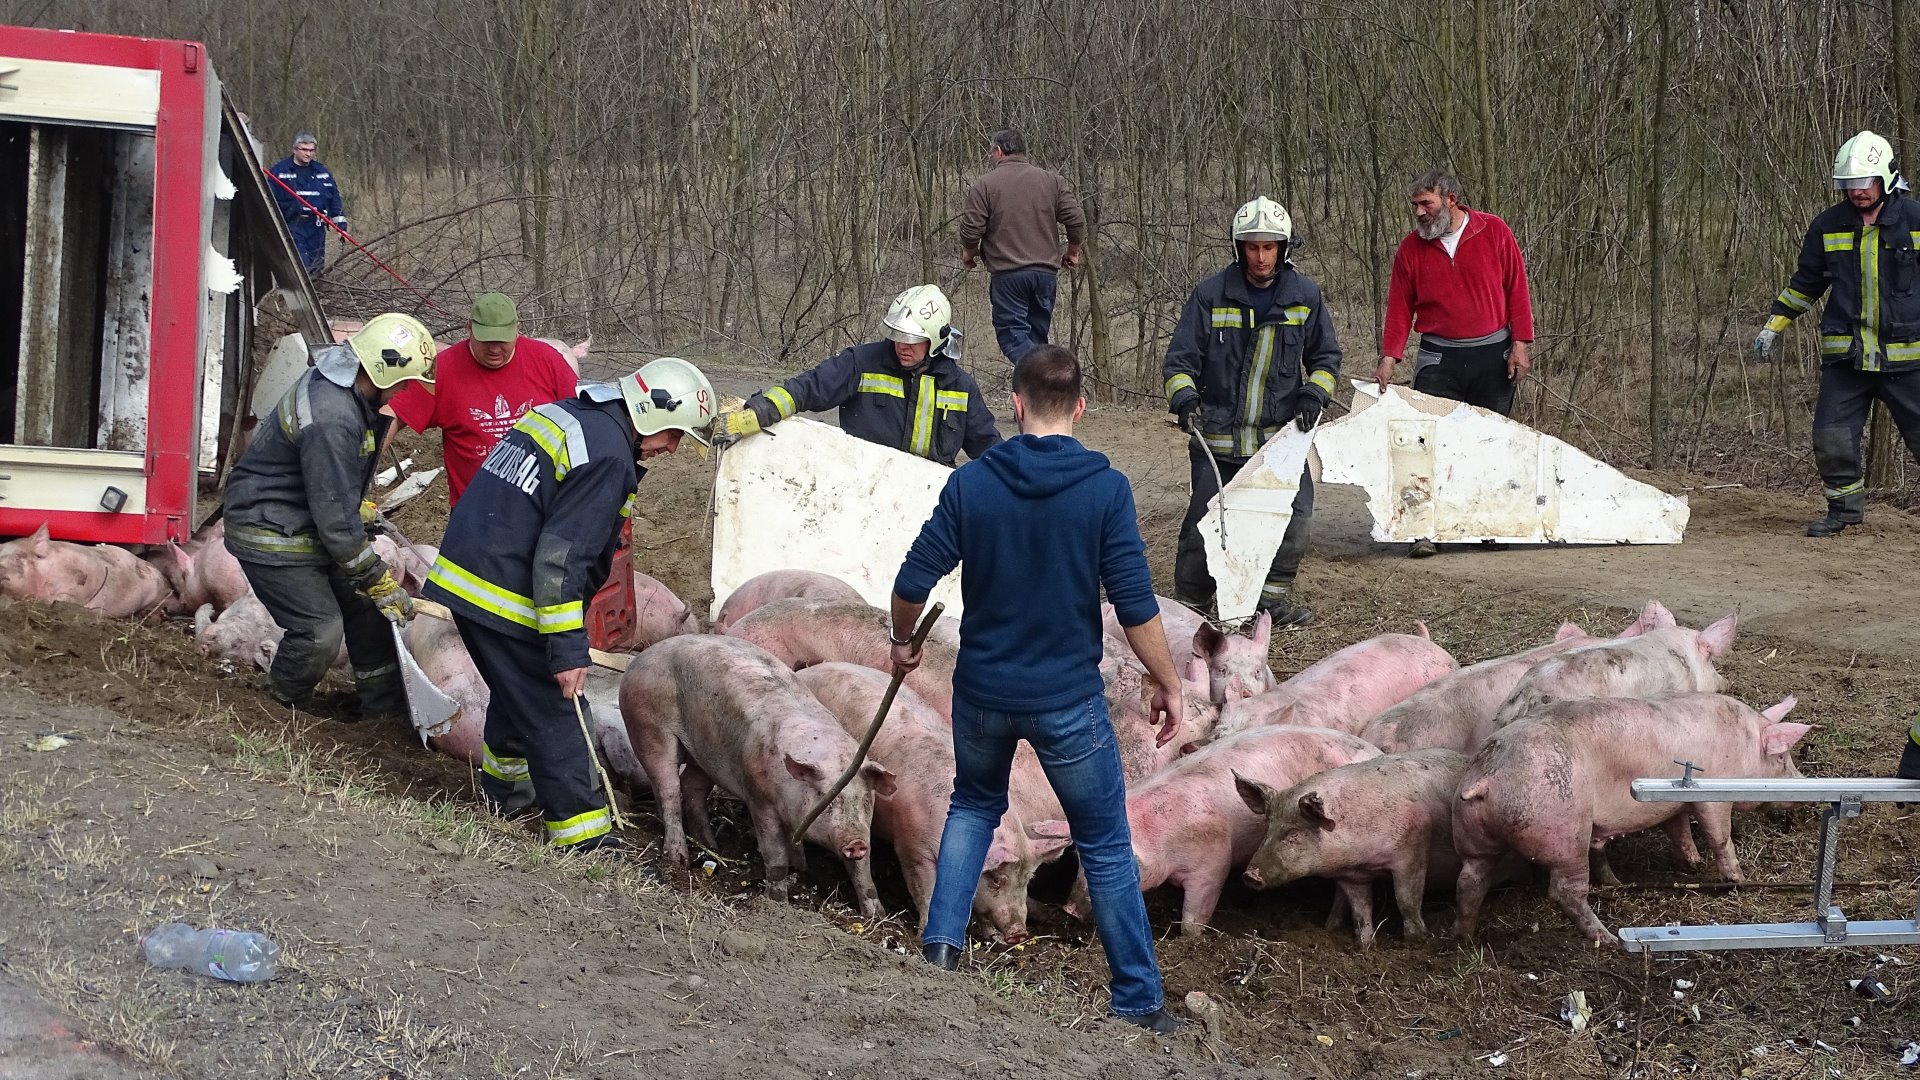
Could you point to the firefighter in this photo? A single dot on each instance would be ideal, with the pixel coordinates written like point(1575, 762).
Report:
point(295, 520)
point(531, 539)
point(907, 392)
point(1863, 249)
point(1254, 348)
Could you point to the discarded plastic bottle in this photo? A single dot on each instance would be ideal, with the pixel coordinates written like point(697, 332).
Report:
point(233, 955)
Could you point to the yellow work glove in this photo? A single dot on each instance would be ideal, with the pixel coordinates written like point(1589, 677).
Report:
point(738, 424)
point(391, 599)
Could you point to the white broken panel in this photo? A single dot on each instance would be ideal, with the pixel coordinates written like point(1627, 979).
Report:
point(1446, 471)
point(286, 362)
point(808, 496)
point(1257, 505)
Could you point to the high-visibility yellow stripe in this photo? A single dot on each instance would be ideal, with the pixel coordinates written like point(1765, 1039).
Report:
point(1323, 380)
point(483, 594)
point(1834, 344)
point(580, 827)
point(1845, 490)
point(626, 508)
point(1297, 316)
point(511, 769)
point(1837, 241)
point(255, 537)
point(1870, 298)
point(1778, 323)
point(922, 444)
point(782, 401)
point(1257, 386)
point(1903, 352)
point(1178, 382)
point(364, 675)
point(1228, 316)
point(366, 444)
point(873, 382)
point(558, 618)
point(1795, 299)
point(951, 400)
point(548, 436)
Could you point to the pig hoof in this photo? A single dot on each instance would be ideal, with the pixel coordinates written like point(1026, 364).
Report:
point(1414, 931)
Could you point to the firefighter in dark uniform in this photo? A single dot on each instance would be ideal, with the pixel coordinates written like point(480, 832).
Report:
point(1864, 250)
point(294, 516)
point(907, 393)
point(1254, 348)
point(531, 539)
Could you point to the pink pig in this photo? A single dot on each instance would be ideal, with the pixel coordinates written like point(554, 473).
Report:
point(739, 719)
point(573, 354)
point(102, 577)
point(1232, 666)
point(758, 591)
point(802, 631)
point(1348, 689)
point(1556, 785)
point(1190, 826)
point(1669, 660)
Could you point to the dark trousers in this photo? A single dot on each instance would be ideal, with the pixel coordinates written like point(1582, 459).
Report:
point(1840, 415)
point(318, 608)
point(310, 240)
point(1022, 309)
point(1475, 374)
point(532, 746)
point(1192, 582)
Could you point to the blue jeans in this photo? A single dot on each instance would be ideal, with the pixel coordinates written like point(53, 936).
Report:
point(1076, 747)
point(1022, 309)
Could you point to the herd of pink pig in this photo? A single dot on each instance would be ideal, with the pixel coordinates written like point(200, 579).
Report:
point(1385, 761)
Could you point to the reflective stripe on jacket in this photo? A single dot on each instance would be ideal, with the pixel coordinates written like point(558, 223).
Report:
point(1871, 282)
point(934, 414)
point(293, 498)
point(1247, 372)
point(535, 533)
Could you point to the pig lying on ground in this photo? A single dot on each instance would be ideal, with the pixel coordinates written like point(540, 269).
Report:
point(1389, 816)
point(1233, 666)
point(916, 743)
point(801, 632)
point(1346, 690)
point(243, 633)
point(100, 577)
point(762, 589)
point(740, 719)
point(1669, 660)
point(1190, 826)
point(1556, 783)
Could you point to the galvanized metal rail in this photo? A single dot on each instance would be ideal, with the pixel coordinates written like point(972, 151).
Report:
point(1844, 798)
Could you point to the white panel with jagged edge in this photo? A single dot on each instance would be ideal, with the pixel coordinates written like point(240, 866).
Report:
point(1258, 507)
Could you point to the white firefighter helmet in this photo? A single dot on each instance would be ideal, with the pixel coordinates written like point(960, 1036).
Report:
point(669, 393)
point(920, 314)
point(1863, 159)
point(1262, 219)
point(393, 348)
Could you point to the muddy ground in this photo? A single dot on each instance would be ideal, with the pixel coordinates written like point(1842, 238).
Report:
point(425, 940)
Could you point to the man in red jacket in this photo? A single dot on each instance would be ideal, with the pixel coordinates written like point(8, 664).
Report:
point(1458, 279)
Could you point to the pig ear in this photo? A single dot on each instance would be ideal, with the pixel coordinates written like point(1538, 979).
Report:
point(1207, 640)
point(1420, 628)
point(180, 558)
point(1717, 640)
point(1252, 792)
point(1263, 631)
point(1052, 829)
point(1780, 709)
point(1197, 670)
point(37, 543)
point(1777, 739)
point(884, 782)
point(1315, 810)
point(1049, 849)
point(997, 856)
point(800, 770)
point(1567, 631)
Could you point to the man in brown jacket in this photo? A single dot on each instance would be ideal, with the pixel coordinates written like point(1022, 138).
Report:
point(1009, 218)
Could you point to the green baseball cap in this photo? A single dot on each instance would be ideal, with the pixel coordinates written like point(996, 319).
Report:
point(495, 318)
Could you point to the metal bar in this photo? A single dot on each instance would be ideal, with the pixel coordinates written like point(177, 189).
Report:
point(1812, 790)
point(1829, 852)
point(1807, 935)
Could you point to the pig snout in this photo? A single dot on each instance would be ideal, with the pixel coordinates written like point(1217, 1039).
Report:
point(854, 849)
point(1254, 878)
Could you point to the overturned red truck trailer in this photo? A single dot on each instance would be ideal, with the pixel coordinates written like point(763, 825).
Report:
point(139, 250)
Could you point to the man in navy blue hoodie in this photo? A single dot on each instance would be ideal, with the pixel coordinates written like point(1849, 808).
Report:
point(1038, 525)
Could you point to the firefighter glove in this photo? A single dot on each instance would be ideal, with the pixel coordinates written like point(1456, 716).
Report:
point(1306, 412)
point(739, 424)
point(1186, 406)
point(1763, 346)
point(391, 599)
point(369, 514)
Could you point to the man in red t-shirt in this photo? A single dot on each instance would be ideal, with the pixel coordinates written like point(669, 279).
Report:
point(1458, 279)
point(482, 386)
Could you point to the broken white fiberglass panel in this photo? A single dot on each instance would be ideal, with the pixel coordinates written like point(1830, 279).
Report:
point(808, 496)
point(1258, 506)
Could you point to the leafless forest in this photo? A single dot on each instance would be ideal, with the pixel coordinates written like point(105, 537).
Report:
point(755, 178)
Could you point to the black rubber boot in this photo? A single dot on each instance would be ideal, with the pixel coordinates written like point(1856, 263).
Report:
point(941, 955)
point(1288, 616)
point(1828, 526)
point(1159, 1023)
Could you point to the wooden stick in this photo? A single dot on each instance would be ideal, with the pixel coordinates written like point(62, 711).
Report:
point(606, 785)
point(873, 730)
